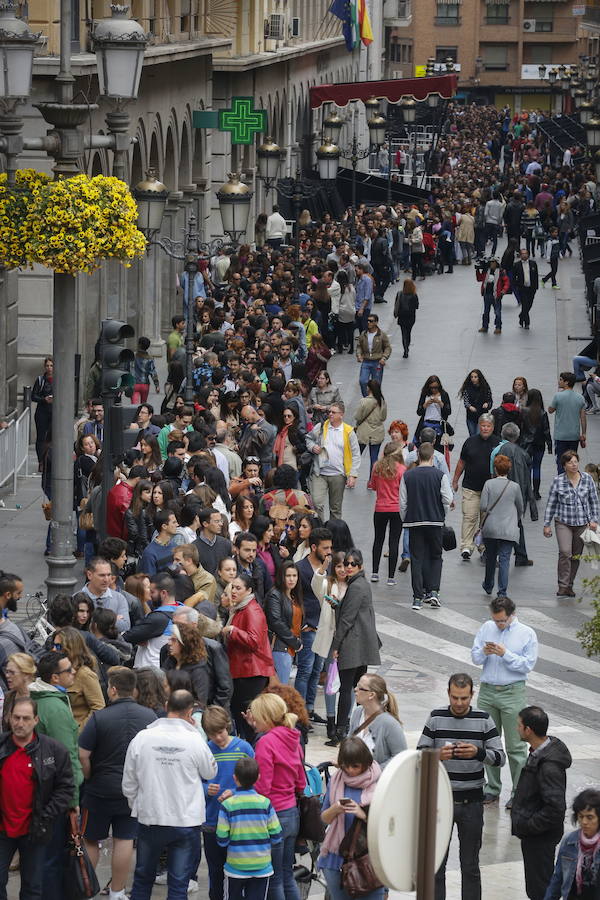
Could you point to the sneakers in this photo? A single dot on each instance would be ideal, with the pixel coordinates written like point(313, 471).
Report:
point(556, 287)
point(417, 603)
point(404, 565)
point(192, 886)
point(391, 582)
point(488, 799)
point(433, 600)
point(374, 577)
point(161, 879)
point(466, 555)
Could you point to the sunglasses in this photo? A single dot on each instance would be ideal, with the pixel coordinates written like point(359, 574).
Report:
point(351, 564)
point(252, 459)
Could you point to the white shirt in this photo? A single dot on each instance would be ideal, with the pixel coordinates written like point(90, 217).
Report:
point(276, 227)
point(526, 273)
point(334, 445)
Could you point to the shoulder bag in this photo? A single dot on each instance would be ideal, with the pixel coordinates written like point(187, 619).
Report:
point(357, 876)
point(80, 880)
point(478, 539)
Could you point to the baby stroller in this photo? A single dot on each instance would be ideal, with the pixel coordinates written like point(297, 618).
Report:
point(430, 254)
point(305, 872)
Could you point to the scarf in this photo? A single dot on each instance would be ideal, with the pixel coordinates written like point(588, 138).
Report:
point(367, 781)
point(241, 605)
point(279, 446)
point(588, 848)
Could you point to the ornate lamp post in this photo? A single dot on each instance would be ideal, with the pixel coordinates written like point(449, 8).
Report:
point(269, 159)
point(234, 205)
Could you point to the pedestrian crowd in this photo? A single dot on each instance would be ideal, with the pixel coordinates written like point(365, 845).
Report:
point(161, 706)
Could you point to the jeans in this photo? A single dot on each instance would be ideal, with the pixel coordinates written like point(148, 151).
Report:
point(244, 692)
point(381, 520)
point(492, 232)
point(538, 862)
point(503, 704)
point(570, 548)
point(309, 667)
point(282, 661)
point(561, 447)
point(140, 394)
point(495, 548)
point(215, 860)
point(282, 885)
point(373, 454)
point(468, 818)
point(488, 301)
point(248, 888)
point(425, 543)
point(553, 270)
point(580, 364)
point(537, 455)
point(369, 369)
point(55, 860)
point(31, 866)
point(182, 852)
point(472, 427)
point(336, 892)
point(563, 242)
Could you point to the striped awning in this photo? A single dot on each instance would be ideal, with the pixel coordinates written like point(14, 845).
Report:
point(449, 2)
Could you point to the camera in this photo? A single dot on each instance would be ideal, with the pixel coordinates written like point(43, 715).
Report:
point(482, 264)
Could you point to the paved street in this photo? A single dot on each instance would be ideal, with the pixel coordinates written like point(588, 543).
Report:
point(420, 649)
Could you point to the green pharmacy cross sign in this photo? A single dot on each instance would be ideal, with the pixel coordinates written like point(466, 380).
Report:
point(242, 120)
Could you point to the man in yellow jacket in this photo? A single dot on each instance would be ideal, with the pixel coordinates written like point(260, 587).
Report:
point(336, 461)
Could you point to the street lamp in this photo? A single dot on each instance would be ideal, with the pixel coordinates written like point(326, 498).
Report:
point(234, 205)
point(332, 127)
point(552, 76)
point(377, 126)
point(151, 197)
point(592, 132)
point(17, 46)
point(372, 105)
point(586, 111)
point(542, 72)
point(328, 160)
point(119, 44)
point(579, 97)
point(409, 112)
point(597, 164)
point(269, 159)
point(433, 100)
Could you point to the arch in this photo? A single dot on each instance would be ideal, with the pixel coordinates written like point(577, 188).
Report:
point(96, 166)
point(156, 157)
point(198, 157)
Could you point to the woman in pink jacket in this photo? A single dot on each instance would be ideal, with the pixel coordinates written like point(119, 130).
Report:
point(279, 757)
point(385, 481)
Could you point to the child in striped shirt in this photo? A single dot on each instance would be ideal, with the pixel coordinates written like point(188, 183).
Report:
point(248, 826)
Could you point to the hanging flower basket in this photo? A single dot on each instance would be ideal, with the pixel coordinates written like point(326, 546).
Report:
point(69, 225)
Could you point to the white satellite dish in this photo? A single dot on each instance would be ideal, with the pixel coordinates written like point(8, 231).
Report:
point(393, 823)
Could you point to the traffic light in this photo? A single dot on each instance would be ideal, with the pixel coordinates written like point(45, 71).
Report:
point(115, 359)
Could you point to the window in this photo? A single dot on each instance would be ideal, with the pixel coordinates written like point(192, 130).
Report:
point(495, 57)
point(442, 54)
point(496, 14)
point(447, 14)
point(184, 16)
point(400, 52)
point(403, 9)
point(544, 25)
point(537, 54)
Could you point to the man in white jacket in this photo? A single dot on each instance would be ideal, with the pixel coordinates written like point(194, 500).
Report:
point(162, 781)
point(276, 229)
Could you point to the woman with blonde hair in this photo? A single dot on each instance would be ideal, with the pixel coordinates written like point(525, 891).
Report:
point(19, 672)
point(279, 757)
point(375, 719)
point(85, 694)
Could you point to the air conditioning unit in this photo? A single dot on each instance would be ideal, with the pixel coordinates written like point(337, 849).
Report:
point(528, 24)
point(295, 27)
point(275, 27)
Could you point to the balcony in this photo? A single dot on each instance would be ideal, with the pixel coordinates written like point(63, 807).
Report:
point(397, 14)
point(591, 17)
point(445, 21)
point(497, 22)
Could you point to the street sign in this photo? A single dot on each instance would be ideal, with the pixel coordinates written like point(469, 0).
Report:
point(393, 824)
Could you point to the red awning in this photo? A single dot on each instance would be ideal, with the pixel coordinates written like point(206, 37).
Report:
point(393, 91)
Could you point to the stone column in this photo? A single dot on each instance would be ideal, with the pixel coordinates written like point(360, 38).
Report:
point(8, 342)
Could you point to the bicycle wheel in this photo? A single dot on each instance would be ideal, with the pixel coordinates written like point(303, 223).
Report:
point(35, 607)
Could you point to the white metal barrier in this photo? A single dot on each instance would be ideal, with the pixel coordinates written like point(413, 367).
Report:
point(14, 449)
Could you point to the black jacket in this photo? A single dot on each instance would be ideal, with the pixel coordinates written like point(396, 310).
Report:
point(220, 685)
point(518, 277)
point(280, 613)
point(261, 580)
point(535, 436)
point(512, 217)
point(199, 677)
point(139, 531)
point(53, 782)
point(539, 802)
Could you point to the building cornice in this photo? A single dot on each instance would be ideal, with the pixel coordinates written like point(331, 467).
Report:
point(259, 60)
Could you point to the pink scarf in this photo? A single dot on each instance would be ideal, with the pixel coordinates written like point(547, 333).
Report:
point(279, 446)
point(588, 847)
point(367, 781)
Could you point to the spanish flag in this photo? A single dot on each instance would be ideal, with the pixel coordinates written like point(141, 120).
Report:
point(364, 23)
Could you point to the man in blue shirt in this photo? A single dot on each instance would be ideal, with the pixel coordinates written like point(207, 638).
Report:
point(364, 296)
point(157, 555)
point(508, 651)
point(570, 423)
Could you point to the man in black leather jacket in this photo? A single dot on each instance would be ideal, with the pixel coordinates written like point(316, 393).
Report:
point(538, 806)
point(36, 787)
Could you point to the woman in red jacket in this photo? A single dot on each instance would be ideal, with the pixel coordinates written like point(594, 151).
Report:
point(494, 285)
point(249, 652)
point(385, 481)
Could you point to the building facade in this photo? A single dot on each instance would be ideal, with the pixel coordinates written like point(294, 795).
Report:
point(497, 45)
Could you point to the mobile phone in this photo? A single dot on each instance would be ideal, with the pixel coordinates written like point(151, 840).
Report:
point(345, 801)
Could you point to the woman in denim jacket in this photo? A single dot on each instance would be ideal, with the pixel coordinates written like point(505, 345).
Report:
point(577, 870)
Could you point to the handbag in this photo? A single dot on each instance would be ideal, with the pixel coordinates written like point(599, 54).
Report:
point(86, 518)
point(47, 510)
point(357, 876)
point(312, 826)
point(478, 539)
point(448, 538)
point(332, 682)
point(80, 880)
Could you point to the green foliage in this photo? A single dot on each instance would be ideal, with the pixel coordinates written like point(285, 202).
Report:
point(589, 634)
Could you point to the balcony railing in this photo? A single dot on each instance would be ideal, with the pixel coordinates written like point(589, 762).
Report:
point(495, 21)
point(445, 20)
